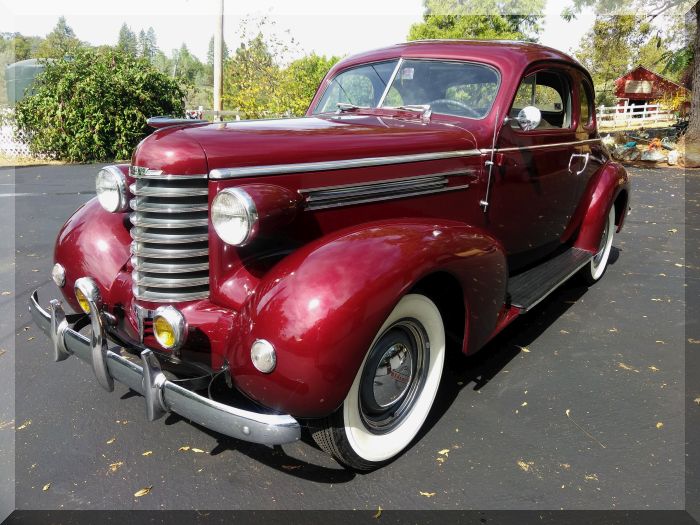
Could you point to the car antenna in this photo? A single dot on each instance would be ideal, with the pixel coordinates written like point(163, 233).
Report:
point(484, 203)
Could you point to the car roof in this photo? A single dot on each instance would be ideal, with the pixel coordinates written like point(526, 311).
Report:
point(504, 54)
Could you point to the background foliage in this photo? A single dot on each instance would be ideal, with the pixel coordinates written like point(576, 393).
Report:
point(94, 105)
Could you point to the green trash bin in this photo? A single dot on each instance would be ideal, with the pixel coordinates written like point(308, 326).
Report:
point(19, 78)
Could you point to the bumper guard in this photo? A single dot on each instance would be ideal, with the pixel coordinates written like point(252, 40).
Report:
point(161, 395)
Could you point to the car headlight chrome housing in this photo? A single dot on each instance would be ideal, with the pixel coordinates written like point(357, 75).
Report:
point(234, 216)
point(111, 188)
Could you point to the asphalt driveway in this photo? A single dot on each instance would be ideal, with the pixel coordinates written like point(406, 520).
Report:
point(577, 405)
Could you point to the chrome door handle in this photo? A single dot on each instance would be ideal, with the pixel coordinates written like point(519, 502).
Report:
point(584, 156)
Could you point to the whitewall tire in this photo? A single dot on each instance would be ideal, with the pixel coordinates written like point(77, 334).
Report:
point(393, 391)
point(594, 270)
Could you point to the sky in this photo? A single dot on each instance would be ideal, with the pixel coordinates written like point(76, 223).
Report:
point(327, 28)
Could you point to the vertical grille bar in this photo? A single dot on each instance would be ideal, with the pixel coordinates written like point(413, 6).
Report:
point(169, 251)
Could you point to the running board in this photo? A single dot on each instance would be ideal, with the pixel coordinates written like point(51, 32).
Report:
point(527, 289)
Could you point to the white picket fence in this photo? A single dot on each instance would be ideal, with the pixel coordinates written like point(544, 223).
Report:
point(11, 142)
point(626, 117)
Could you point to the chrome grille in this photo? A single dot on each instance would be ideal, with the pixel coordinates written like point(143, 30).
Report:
point(170, 250)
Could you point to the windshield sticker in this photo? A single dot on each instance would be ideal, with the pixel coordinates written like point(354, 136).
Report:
point(407, 73)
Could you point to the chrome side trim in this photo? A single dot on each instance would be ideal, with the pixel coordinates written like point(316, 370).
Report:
point(162, 395)
point(139, 172)
point(281, 169)
point(388, 189)
point(540, 146)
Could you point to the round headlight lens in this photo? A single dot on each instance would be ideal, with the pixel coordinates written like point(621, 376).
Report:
point(234, 216)
point(262, 353)
point(111, 189)
point(58, 274)
point(169, 327)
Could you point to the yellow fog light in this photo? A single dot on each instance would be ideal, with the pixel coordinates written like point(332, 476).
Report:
point(82, 300)
point(169, 327)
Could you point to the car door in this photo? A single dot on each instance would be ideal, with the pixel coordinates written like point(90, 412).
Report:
point(533, 195)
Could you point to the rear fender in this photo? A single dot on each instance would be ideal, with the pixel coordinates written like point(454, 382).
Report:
point(322, 306)
point(606, 187)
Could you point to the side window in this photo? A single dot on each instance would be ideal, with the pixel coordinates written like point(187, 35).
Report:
point(548, 91)
point(586, 105)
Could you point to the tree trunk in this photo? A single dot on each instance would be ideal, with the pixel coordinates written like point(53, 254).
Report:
point(692, 136)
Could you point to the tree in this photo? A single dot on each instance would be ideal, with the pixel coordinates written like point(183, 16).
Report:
point(147, 44)
point(210, 52)
point(95, 105)
point(611, 48)
point(127, 42)
point(479, 19)
point(61, 41)
point(300, 80)
point(652, 10)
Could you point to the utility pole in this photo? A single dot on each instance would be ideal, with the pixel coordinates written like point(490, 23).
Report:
point(218, 62)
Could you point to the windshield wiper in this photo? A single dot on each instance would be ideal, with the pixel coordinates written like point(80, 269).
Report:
point(423, 109)
point(345, 106)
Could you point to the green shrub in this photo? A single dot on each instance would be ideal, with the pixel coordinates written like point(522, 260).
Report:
point(94, 105)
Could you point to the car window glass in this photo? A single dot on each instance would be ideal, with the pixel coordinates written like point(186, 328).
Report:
point(548, 91)
point(361, 86)
point(462, 89)
point(585, 105)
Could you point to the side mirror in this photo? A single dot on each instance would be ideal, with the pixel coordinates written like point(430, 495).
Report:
point(529, 118)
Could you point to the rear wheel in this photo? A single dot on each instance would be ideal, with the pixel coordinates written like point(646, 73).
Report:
point(393, 390)
point(593, 271)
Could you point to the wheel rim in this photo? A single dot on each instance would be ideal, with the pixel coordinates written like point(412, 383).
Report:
point(393, 376)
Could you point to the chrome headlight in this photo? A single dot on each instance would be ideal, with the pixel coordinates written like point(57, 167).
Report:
point(234, 216)
point(111, 189)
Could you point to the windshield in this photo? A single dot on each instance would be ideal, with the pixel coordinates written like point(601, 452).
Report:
point(463, 89)
point(361, 86)
point(452, 88)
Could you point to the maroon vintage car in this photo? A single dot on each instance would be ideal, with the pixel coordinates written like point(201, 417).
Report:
point(321, 266)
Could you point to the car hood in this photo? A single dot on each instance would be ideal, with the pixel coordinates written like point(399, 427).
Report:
point(194, 148)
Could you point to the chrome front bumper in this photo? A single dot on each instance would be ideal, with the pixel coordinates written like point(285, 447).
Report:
point(161, 395)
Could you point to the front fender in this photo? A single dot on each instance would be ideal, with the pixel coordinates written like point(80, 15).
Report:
point(93, 242)
point(602, 192)
point(322, 306)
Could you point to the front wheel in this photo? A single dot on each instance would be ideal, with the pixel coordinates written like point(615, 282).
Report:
point(393, 390)
point(593, 271)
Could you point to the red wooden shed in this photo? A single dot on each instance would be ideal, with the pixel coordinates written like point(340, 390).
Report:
point(642, 86)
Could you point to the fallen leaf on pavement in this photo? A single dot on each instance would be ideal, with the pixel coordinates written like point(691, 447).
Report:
point(591, 477)
point(25, 424)
point(653, 369)
point(525, 466)
point(378, 513)
point(697, 400)
point(659, 425)
point(524, 349)
point(673, 230)
point(46, 487)
point(143, 491)
point(627, 367)
point(427, 494)
point(444, 451)
point(111, 440)
point(147, 453)
point(197, 450)
point(113, 467)
point(183, 449)
point(693, 341)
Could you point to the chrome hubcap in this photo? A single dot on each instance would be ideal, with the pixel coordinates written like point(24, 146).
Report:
point(393, 376)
